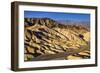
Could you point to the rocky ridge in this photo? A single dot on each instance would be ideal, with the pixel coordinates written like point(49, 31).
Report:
point(46, 39)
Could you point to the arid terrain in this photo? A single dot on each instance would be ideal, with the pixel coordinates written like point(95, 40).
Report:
point(47, 39)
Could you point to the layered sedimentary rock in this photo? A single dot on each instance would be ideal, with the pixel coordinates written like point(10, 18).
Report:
point(46, 39)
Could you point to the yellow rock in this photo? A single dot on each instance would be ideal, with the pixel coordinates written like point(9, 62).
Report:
point(87, 36)
point(83, 53)
point(73, 57)
point(28, 56)
point(49, 52)
point(30, 49)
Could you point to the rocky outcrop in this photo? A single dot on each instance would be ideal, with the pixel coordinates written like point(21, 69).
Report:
point(45, 37)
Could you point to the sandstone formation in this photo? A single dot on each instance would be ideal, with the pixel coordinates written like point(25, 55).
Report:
point(46, 39)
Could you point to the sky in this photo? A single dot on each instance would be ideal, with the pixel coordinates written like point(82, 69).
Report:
point(80, 17)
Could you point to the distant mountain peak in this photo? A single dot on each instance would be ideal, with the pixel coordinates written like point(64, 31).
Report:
point(52, 23)
point(41, 21)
